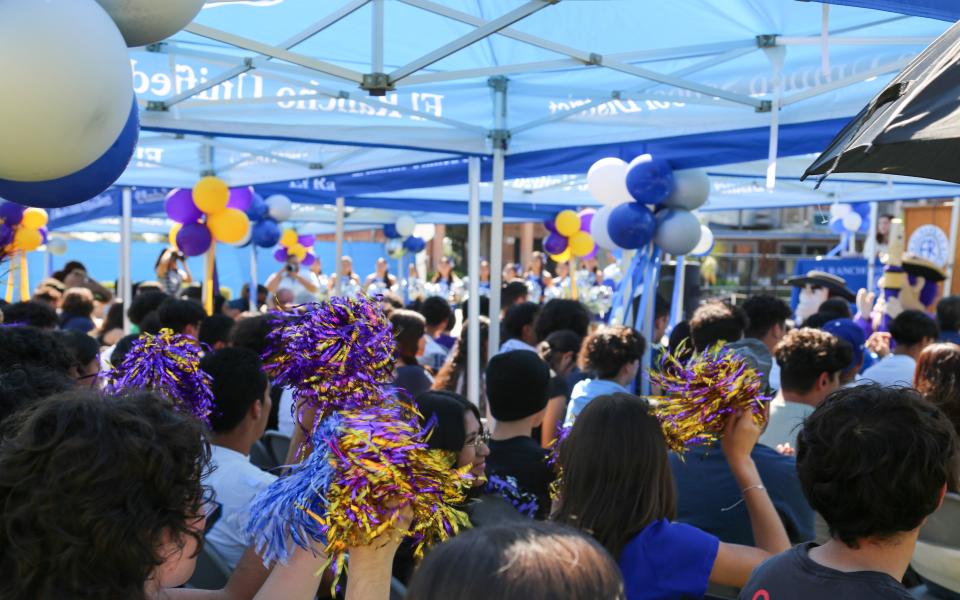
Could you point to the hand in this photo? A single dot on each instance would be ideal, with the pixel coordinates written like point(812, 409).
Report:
point(879, 343)
point(387, 543)
point(786, 450)
point(740, 435)
point(865, 302)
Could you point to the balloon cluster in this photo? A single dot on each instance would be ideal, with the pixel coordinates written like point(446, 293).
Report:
point(629, 190)
point(71, 138)
point(22, 229)
point(570, 235)
point(209, 212)
point(266, 216)
point(850, 218)
point(406, 236)
point(293, 244)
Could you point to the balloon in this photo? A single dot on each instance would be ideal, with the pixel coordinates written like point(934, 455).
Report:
point(581, 244)
point(837, 226)
point(83, 184)
point(691, 188)
point(145, 22)
point(631, 225)
point(247, 237)
point(649, 180)
point(308, 260)
point(297, 250)
point(6, 235)
point(852, 221)
point(390, 232)
point(563, 257)
point(548, 225)
point(678, 231)
point(586, 218)
point(863, 209)
point(306, 240)
point(180, 207)
point(289, 238)
point(34, 218)
point(266, 233)
point(607, 181)
point(425, 231)
point(705, 245)
point(241, 198)
point(554, 243)
point(67, 88)
point(43, 234)
point(57, 247)
point(414, 244)
point(394, 245)
point(229, 226)
point(211, 195)
point(172, 236)
point(258, 209)
point(281, 254)
point(598, 228)
point(839, 211)
point(11, 213)
point(194, 239)
point(405, 225)
point(280, 207)
point(27, 239)
point(567, 223)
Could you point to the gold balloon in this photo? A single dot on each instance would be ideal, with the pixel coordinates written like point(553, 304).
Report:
point(229, 226)
point(34, 218)
point(211, 195)
point(172, 238)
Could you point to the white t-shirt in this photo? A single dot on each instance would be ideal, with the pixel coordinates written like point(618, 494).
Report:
point(515, 344)
point(786, 420)
point(896, 369)
point(235, 481)
point(285, 422)
point(301, 295)
point(434, 355)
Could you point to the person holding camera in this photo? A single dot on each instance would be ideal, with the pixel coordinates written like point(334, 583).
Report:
point(169, 273)
point(304, 285)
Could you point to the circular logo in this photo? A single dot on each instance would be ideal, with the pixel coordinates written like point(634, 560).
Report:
point(930, 242)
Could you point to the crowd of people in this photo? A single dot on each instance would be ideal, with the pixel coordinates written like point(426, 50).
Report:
point(114, 495)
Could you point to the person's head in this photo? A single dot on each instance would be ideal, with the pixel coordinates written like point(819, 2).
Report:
point(527, 561)
point(293, 263)
point(114, 318)
point(74, 270)
point(716, 322)
point(457, 430)
point(562, 270)
point(836, 306)
point(875, 461)
point(436, 312)
point(143, 304)
point(661, 317)
point(679, 343)
point(182, 316)
point(484, 270)
point(25, 345)
point(283, 299)
point(767, 316)
point(948, 314)
point(518, 323)
point(86, 356)
point(913, 330)
point(560, 351)
point(514, 291)
point(538, 262)
point(937, 378)
point(252, 332)
point(382, 267)
point(445, 266)
point(32, 313)
point(517, 386)
point(616, 474)
point(140, 287)
point(811, 362)
point(510, 271)
point(559, 314)
point(449, 376)
point(346, 266)
point(262, 293)
point(613, 352)
point(169, 258)
point(818, 319)
point(883, 227)
point(848, 331)
point(241, 394)
point(23, 385)
point(116, 482)
point(78, 302)
point(408, 329)
point(215, 331)
point(50, 291)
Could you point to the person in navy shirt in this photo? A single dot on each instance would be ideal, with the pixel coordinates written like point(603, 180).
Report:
point(616, 485)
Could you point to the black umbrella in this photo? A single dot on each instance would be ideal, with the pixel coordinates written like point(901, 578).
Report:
point(912, 127)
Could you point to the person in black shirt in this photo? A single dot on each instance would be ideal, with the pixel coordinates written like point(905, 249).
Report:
point(517, 387)
point(875, 462)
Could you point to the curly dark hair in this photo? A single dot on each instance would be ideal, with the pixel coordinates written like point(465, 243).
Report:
point(715, 322)
point(873, 460)
point(90, 487)
point(608, 349)
point(764, 311)
point(562, 313)
point(937, 378)
point(32, 313)
point(805, 354)
point(23, 345)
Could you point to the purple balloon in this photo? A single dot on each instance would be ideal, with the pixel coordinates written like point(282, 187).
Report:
point(554, 243)
point(586, 218)
point(194, 239)
point(180, 207)
point(43, 235)
point(281, 255)
point(306, 240)
point(6, 234)
point(308, 260)
point(11, 213)
point(240, 198)
point(549, 226)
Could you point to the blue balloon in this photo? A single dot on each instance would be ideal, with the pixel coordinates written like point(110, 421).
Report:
point(863, 209)
point(258, 209)
point(631, 226)
point(85, 183)
point(414, 244)
point(836, 226)
point(390, 232)
point(266, 233)
point(650, 181)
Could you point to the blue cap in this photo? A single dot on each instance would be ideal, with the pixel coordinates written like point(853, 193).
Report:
point(849, 331)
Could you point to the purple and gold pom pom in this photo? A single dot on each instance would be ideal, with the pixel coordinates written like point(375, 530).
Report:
point(169, 363)
point(701, 393)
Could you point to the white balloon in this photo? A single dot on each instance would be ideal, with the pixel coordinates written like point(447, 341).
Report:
point(56, 246)
point(705, 245)
point(598, 228)
point(425, 231)
point(839, 211)
point(691, 188)
point(678, 231)
point(852, 221)
point(405, 225)
point(144, 22)
point(67, 88)
point(280, 207)
point(607, 181)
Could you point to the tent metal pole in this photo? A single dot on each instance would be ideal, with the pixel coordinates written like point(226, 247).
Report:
point(126, 238)
point(499, 135)
point(252, 304)
point(871, 248)
point(679, 287)
point(473, 269)
point(376, 34)
point(776, 56)
point(952, 258)
point(338, 237)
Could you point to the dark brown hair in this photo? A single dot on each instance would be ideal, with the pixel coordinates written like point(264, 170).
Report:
point(408, 327)
point(805, 354)
point(520, 561)
point(715, 322)
point(616, 474)
point(608, 349)
point(937, 378)
point(449, 376)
